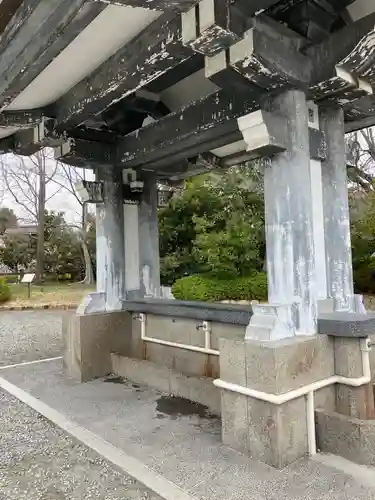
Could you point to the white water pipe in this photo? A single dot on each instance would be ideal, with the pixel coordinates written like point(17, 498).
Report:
point(206, 327)
point(307, 391)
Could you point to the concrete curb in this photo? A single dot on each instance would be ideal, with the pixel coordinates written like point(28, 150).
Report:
point(120, 460)
point(38, 307)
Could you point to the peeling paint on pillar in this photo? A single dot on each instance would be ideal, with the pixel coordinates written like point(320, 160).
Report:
point(317, 207)
point(149, 238)
point(113, 225)
point(101, 250)
point(131, 228)
point(289, 217)
point(336, 211)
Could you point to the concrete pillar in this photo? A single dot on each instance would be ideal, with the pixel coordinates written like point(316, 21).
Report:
point(317, 212)
point(149, 258)
point(336, 211)
point(131, 228)
point(113, 239)
point(101, 250)
point(289, 218)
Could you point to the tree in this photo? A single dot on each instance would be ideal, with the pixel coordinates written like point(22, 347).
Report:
point(26, 180)
point(67, 177)
point(361, 154)
point(215, 225)
point(62, 247)
point(17, 252)
point(8, 219)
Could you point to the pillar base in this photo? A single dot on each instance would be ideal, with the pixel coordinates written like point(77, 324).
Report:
point(271, 322)
point(89, 341)
point(92, 303)
point(274, 434)
point(327, 306)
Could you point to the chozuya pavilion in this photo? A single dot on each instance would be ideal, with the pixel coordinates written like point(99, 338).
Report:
point(152, 92)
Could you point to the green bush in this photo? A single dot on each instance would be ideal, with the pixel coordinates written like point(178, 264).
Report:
point(205, 289)
point(5, 293)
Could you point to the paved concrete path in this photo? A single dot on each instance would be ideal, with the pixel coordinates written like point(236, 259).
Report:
point(40, 462)
point(30, 335)
point(181, 442)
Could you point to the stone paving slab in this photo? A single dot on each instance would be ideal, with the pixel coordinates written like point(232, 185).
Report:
point(38, 461)
point(180, 442)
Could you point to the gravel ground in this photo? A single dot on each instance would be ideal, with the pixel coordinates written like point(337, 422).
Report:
point(30, 335)
point(38, 461)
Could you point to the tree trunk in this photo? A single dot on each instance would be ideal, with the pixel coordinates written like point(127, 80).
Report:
point(41, 218)
point(89, 278)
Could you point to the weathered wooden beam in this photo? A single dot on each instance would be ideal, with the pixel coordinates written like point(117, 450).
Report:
point(6, 145)
point(37, 37)
point(156, 50)
point(212, 26)
point(80, 153)
point(21, 119)
point(162, 5)
point(200, 127)
point(269, 63)
point(338, 48)
point(52, 37)
point(206, 125)
point(359, 124)
point(7, 10)
point(251, 7)
point(218, 71)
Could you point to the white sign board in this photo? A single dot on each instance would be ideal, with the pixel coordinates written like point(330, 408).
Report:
point(28, 278)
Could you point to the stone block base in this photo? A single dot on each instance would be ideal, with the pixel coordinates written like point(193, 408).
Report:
point(198, 389)
point(89, 340)
point(351, 438)
point(274, 434)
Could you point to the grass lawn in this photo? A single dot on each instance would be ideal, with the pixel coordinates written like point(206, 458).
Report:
point(58, 293)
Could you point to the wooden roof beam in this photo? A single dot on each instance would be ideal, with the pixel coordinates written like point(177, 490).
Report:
point(38, 32)
point(151, 54)
point(250, 7)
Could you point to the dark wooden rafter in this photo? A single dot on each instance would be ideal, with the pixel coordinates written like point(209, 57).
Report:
point(270, 59)
point(170, 149)
point(21, 119)
point(251, 7)
point(204, 125)
point(263, 62)
point(153, 52)
point(177, 73)
point(146, 103)
point(212, 26)
point(343, 65)
point(7, 145)
point(77, 17)
point(45, 29)
point(8, 10)
point(162, 5)
point(82, 153)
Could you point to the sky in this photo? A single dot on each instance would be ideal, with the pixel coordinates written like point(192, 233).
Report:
point(21, 179)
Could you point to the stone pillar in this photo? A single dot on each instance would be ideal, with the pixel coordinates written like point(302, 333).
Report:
point(336, 211)
point(149, 264)
point(131, 228)
point(101, 250)
point(113, 239)
point(317, 213)
point(289, 218)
